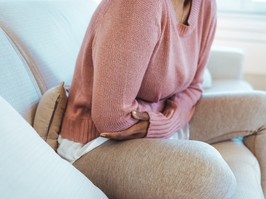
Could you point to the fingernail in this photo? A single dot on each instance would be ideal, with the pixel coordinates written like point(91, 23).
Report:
point(103, 134)
point(134, 112)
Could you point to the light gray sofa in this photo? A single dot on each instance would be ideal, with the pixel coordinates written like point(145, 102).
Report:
point(39, 42)
point(226, 68)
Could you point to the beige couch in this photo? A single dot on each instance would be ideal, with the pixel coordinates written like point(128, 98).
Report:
point(39, 42)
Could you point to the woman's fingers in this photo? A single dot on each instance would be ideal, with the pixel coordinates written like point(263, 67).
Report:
point(122, 135)
point(114, 135)
point(136, 131)
point(140, 115)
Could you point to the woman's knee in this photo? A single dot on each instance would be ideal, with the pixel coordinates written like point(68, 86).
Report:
point(192, 169)
point(212, 177)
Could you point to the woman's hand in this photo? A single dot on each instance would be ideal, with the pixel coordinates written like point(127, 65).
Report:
point(138, 130)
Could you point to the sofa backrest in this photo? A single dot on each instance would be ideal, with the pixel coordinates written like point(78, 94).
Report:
point(17, 83)
point(39, 41)
point(49, 33)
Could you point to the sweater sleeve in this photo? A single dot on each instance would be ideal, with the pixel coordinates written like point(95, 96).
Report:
point(122, 48)
point(180, 107)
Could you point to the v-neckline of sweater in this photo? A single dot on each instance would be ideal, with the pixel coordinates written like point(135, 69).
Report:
point(192, 19)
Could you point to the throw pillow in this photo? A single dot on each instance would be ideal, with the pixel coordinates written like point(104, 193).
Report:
point(31, 169)
point(49, 114)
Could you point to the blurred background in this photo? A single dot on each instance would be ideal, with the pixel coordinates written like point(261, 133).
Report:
point(242, 24)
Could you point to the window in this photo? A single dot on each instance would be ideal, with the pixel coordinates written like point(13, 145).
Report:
point(257, 7)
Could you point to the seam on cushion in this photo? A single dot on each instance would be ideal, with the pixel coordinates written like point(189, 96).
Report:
point(29, 65)
point(52, 117)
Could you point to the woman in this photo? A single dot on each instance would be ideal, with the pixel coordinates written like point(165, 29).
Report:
point(139, 74)
point(141, 56)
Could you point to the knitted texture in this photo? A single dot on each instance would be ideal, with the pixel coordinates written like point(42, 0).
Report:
point(136, 56)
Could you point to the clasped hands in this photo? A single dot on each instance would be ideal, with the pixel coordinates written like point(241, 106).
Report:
point(138, 130)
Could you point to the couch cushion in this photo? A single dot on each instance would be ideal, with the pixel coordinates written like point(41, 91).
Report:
point(31, 169)
point(50, 33)
point(18, 85)
point(245, 168)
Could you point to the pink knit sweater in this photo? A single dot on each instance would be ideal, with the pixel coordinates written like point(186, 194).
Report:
point(136, 56)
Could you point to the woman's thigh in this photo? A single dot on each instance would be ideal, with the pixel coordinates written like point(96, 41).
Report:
point(155, 168)
point(224, 116)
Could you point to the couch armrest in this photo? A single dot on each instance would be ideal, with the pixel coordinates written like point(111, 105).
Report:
point(158, 168)
point(256, 144)
point(226, 63)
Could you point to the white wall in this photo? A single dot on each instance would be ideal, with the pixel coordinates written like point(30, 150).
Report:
point(249, 33)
